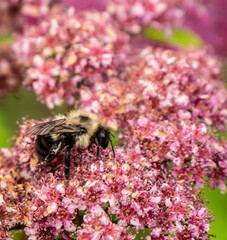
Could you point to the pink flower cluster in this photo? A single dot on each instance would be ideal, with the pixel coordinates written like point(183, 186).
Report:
point(9, 16)
point(10, 196)
point(134, 15)
point(85, 5)
point(73, 57)
point(186, 83)
point(10, 75)
point(68, 50)
point(15, 17)
point(182, 84)
point(149, 185)
point(16, 14)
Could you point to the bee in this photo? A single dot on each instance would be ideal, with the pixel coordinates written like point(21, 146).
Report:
point(77, 128)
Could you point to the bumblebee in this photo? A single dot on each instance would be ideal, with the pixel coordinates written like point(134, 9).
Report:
point(77, 128)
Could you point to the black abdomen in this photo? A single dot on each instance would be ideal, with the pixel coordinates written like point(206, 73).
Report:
point(43, 143)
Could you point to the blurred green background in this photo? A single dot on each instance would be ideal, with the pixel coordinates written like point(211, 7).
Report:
point(24, 103)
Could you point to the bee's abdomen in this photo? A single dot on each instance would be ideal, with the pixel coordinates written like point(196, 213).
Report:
point(43, 145)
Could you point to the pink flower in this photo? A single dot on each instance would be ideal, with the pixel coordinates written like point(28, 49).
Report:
point(11, 194)
point(66, 51)
point(179, 84)
point(97, 224)
point(134, 15)
point(84, 5)
point(10, 75)
point(15, 15)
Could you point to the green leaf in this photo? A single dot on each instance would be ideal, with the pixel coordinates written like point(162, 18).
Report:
point(222, 135)
point(179, 37)
point(217, 206)
point(142, 234)
point(16, 106)
point(18, 234)
point(74, 237)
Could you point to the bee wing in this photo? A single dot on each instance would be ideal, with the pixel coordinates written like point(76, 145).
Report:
point(55, 126)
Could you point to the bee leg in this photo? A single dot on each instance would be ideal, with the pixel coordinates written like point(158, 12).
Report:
point(97, 151)
point(53, 152)
point(97, 144)
point(67, 163)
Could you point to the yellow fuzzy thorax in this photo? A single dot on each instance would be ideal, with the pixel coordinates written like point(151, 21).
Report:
point(91, 125)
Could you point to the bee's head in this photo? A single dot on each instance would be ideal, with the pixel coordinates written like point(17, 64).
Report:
point(102, 138)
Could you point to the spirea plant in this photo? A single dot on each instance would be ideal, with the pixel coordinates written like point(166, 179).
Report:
point(163, 104)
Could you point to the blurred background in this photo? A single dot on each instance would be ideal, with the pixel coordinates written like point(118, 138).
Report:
point(209, 27)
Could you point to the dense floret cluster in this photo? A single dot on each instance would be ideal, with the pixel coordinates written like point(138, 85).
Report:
point(15, 15)
point(136, 14)
point(68, 50)
point(150, 184)
point(183, 84)
point(11, 193)
point(10, 71)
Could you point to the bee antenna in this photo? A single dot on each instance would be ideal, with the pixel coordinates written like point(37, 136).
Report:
point(112, 146)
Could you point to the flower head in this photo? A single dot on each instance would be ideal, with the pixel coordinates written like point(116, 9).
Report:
point(15, 15)
point(134, 15)
point(152, 183)
point(11, 193)
point(10, 75)
point(176, 84)
point(66, 51)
